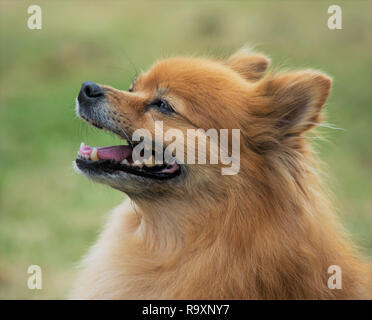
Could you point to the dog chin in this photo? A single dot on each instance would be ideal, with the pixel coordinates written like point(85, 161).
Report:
point(134, 186)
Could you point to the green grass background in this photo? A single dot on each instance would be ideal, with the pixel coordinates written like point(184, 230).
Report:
point(49, 215)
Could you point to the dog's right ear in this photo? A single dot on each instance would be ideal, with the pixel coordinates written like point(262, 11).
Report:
point(250, 65)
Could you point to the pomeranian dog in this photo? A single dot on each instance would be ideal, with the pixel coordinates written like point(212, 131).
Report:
point(186, 231)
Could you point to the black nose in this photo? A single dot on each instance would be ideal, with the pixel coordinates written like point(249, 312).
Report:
point(90, 90)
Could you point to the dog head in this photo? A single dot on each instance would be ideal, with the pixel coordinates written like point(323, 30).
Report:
point(177, 95)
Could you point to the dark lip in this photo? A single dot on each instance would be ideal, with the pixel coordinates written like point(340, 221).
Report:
point(111, 167)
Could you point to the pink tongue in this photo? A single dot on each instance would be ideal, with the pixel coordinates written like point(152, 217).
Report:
point(117, 153)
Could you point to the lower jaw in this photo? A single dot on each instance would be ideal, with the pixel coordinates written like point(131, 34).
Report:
point(109, 167)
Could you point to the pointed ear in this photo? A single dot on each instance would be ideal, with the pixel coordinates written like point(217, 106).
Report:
point(296, 100)
point(250, 65)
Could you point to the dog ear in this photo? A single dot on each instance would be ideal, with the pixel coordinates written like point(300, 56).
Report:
point(251, 66)
point(296, 100)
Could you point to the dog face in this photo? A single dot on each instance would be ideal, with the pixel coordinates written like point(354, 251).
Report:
point(189, 93)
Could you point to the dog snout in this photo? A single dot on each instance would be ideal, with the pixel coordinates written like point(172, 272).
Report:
point(89, 92)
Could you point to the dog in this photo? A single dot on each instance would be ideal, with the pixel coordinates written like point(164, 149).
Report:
point(186, 231)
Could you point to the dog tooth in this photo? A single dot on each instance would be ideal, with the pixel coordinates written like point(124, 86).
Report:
point(150, 162)
point(125, 161)
point(138, 163)
point(82, 145)
point(94, 155)
point(150, 165)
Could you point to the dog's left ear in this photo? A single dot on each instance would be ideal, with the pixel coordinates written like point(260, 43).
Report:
point(295, 100)
point(250, 65)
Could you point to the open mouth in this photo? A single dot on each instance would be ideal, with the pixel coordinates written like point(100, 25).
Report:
point(114, 159)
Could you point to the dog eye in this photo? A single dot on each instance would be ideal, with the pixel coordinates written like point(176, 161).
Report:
point(163, 106)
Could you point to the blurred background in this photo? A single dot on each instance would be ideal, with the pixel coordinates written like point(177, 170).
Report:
point(49, 215)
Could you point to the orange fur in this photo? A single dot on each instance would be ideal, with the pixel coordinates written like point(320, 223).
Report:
point(268, 232)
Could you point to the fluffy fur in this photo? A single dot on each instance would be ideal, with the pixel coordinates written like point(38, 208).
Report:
point(267, 233)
